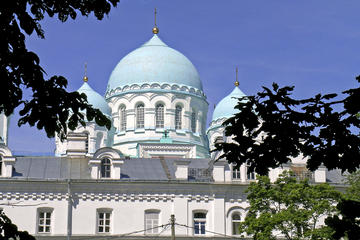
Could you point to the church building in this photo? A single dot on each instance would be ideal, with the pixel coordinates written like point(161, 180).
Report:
point(155, 161)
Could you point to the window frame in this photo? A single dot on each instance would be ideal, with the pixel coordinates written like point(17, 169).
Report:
point(201, 222)
point(178, 117)
point(153, 228)
point(122, 118)
point(1, 165)
point(104, 211)
point(235, 223)
point(87, 141)
point(45, 218)
point(159, 115)
point(193, 124)
point(235, 174)
point(140, 116)
point(105, 167)
point(250, 176)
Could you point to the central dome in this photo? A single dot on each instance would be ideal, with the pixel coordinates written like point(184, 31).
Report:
point(154, 62)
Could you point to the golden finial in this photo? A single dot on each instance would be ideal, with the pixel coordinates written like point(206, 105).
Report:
point(85, 75)
point(237, 82)
point(155, 29)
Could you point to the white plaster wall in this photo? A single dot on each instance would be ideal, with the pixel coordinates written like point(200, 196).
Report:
point(127, 213)
point(25, 217)
point(98, 138)
point(4, 126)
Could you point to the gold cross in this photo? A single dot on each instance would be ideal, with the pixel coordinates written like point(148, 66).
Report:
point(236, 82)
point(85, 76)
point(155, 16)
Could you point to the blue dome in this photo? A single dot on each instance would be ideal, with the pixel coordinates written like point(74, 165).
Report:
point(226, 107)
point(95, 99)
point(154, 62)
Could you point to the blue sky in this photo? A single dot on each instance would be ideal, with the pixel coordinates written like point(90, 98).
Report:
point(313, 45)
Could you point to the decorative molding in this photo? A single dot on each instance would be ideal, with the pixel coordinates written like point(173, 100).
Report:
point(154, 87)
point(125, 197)
point(33, 196)
point(148, 149)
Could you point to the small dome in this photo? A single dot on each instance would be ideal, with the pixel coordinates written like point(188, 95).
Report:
point(95, 99)
point(154, 62)
point(226, 107)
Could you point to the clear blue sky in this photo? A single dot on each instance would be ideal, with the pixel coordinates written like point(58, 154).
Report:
point(313, 45)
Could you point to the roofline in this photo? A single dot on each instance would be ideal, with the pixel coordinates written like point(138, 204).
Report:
point(132, 181)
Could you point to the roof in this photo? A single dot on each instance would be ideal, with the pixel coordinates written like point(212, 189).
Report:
point(146, 169)
point(226, 107)
point(133, 169)
point(154, 62)
point(335, 177)
point(51, 168)
point(95, 99)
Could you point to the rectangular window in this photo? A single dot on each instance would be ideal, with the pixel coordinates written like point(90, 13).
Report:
point(199, 223)
point(44, 221)
point(123, 119)
point(140, 116)
point(152, 222)
point(250, 175)
point(159, 115)
point(104, 221)
point(236, 220)
point(193, 122)
point(87, 143)
point(236, 174)
point(178, 117)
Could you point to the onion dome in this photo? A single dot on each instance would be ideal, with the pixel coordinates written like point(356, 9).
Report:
point(95, 99)
point(154, 63)
point(226, 107)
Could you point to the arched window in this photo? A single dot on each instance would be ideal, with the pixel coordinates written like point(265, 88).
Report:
point(1, 162)
point(193, 121)
point(140, 116)
point(159, 116)
point(122, 118)
point(235, 222)
point(178, 110)
point(105, 168)
point(199, 223)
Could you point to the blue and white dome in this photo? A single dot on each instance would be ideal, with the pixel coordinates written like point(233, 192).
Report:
point(154, 63)
point(226, 107)
point(95, 99)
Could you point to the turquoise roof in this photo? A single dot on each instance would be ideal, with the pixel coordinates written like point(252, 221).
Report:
point(226, 107)
point(154, 62)
point(95, 99)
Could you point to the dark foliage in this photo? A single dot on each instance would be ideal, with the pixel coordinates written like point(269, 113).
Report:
point(8, 230)
point(51, 107)
point(348, 225)
point(347, 222)
point(271, 128)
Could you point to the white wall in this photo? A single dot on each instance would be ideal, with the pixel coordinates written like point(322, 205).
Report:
point(128, 202)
